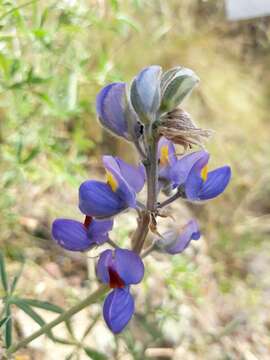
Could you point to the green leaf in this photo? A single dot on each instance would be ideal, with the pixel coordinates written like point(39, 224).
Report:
point(16, 279)
point(4, 64)
point(26, 304)
point(8, 328)
point(95, 355)
point(3, 273)
point(28, 310)
point(36, 317)
point(32, 154)
point(4, 320)
point(114, 5)
point(41, 304)
point(70, 356)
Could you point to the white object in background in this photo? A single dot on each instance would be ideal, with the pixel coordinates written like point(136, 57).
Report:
point(247, 9)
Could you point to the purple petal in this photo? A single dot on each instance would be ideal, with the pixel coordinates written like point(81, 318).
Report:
point(145, 91)
point(216, 183)
point(110, 108)
point(181, 169)
point(194, 181)
point(123, 190)
point(104, 261)
point(71, 235)
point(129, 266)
point(118, 309)
point(191, 232)
point(133, 175)
point(165, 143)
point(98, 230)
point(97, 199)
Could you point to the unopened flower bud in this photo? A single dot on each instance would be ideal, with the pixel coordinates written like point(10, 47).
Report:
point(176, 84)
point(175, 242)
point(145, 93)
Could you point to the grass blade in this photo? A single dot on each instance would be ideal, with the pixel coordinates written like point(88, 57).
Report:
point(3, 273)
point(4, 320)
point(16, 279)
point(8, 328)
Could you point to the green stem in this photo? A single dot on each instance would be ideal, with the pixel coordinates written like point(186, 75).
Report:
point(152, 177)
point(92, 298)
point(141, 232)
point(148, 250)
point(151, 166)
point(171, 199)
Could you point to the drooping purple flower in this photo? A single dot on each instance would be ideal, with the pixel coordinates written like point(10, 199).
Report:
point(100, 199)
point(119, 269)
point(76, 236)
point(174, 242)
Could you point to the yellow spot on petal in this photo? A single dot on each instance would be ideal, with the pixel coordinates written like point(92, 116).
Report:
point(204, 173)
point(111, 181)
point(164, 155)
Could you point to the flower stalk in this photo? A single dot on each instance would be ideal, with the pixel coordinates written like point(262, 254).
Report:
point(151, 166)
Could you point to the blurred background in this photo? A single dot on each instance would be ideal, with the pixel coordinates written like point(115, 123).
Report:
point(212, 302)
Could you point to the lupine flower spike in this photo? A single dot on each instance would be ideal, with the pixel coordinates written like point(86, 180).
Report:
point(146, 113)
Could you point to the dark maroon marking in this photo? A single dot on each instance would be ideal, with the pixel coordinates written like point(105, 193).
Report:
point(87, 221)
point(115, 280)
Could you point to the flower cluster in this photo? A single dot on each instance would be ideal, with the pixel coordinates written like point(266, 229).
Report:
point(147, 114)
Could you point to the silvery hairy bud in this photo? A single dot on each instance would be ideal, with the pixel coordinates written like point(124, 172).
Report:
point(176, 84)
point(145, 93)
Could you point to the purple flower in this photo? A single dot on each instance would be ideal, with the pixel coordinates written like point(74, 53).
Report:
point(172, 169)
point(119, 269)
point(191, 173)
point(202, 185)
point(116, 113)
point(100, 199)
point(110, 108)
point(174, 242)
point(76, 236)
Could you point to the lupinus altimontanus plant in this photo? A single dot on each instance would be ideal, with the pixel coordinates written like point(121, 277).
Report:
point(146, 113)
